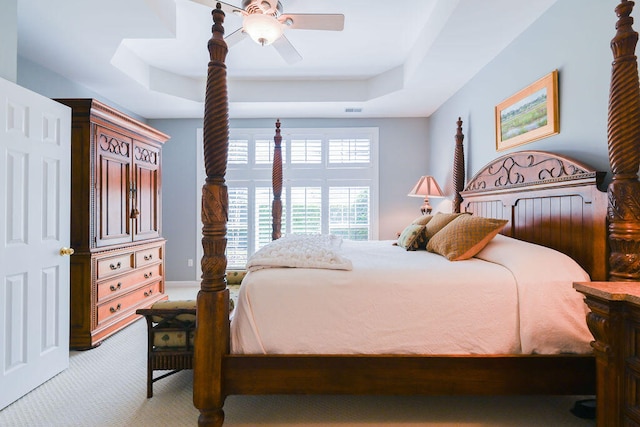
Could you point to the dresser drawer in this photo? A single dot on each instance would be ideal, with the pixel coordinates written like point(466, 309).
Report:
point(108, 267)
point(148, 273)
point(120, 284)
point(148, 256)
point(119, 306)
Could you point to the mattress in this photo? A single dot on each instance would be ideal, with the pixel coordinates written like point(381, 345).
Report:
point(512, 298)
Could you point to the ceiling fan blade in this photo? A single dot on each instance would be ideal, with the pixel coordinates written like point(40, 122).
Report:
point(226, 8)
point(236, 37)
point(286, 50)
point(313, 21)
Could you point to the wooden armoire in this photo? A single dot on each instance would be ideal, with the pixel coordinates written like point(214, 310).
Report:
point(118, 263)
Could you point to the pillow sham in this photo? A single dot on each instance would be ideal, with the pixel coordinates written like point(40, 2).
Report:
point(439, 221)
point(464, 236)
point(412, 237)
point(422, 219)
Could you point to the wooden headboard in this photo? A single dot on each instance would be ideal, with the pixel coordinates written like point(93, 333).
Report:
point(548, 199)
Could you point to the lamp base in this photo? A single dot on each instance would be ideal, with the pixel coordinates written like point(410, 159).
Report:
point(426, 207)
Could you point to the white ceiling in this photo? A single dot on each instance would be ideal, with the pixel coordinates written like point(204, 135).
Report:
point(393, 59)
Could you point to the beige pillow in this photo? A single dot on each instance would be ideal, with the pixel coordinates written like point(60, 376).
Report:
point(422, 219)
point(465, 236)
point(412, 237)
point(439, 221)
point(234, 277)
point(172, 305)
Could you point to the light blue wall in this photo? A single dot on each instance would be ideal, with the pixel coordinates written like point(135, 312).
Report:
point(572, 37)
point(53, 85)
point(9, 40)
point(402, 150)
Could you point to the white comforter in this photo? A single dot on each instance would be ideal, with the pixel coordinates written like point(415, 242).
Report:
point(514, 297)
point(302, 251)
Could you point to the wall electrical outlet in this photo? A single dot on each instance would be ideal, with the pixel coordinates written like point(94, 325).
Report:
point(189, 262)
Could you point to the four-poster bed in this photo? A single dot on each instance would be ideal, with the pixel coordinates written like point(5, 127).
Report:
point(549, 200)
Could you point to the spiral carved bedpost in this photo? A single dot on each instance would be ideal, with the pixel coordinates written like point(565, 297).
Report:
point(212, 327)
point(276, 178)
point(458, 168)
point(624, 152)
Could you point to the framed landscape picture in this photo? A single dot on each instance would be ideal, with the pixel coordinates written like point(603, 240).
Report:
point(529, 115)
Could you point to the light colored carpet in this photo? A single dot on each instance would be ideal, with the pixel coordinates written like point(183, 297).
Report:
point(106, 386)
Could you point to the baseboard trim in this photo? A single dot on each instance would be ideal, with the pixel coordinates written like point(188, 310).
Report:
point(181, 284)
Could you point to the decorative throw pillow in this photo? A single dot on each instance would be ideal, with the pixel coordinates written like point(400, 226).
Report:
point(422, 219)
point(234, 277)
point(412, 237)
point(465, 236)
point(439, 221)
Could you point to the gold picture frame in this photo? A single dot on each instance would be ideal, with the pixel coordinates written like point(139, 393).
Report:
point(529, 115)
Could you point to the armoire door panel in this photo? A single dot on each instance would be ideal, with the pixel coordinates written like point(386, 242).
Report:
point(114, 222)
point(147, 184)
point(114, 188)
point(146, 224)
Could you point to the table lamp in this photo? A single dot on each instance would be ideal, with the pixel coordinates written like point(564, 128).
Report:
point(425, 187)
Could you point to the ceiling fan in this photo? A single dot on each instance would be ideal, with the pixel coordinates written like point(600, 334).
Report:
point(264, 22)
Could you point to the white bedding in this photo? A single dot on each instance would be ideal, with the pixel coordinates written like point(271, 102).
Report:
point(514, 297)
point(302, 251)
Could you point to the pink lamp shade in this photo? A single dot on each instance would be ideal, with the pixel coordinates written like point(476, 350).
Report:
point(425, 187)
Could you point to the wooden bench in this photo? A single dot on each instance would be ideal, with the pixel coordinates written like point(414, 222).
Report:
point(170, 331)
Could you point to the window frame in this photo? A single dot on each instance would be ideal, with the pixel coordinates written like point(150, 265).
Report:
point(352, 174)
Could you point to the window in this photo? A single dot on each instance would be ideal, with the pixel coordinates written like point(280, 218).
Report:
point(330, 186)
point(349, 212)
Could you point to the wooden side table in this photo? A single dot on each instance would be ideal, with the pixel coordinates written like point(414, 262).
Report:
point(614, 321)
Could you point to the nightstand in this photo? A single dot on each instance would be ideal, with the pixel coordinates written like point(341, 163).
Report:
point(614, 321)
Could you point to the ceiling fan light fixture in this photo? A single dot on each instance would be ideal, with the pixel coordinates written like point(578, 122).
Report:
point(263, 29)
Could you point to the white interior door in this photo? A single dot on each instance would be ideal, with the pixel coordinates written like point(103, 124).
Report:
point(35, 151)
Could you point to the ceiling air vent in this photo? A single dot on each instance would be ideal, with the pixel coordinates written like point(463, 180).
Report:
point(353, 110)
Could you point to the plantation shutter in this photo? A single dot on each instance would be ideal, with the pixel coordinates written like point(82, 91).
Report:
point(349, 212)
point(330, 186)
point(238, 226)
point(306, 210)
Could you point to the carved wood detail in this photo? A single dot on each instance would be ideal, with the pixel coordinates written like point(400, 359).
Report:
point(527, 168)
point(113, 145)
point(458, 167)
point(624, 151)
point(144, 155)
point(611, 323)
point(216, 141)
point(276, 178)
point(212, 313)
point(599, 325)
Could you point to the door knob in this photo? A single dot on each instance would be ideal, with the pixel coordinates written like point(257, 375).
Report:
point(66, 251)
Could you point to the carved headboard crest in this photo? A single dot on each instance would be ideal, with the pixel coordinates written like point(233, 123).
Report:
point(527, 168)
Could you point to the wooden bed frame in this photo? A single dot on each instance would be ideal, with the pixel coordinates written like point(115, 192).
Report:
point(550, 200)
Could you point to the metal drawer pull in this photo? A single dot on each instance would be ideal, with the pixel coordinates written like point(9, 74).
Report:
point(115, 288)
point(115, 266)
point(148, 257)
point(113, 310)
point(148, 293)
point(147, 275)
